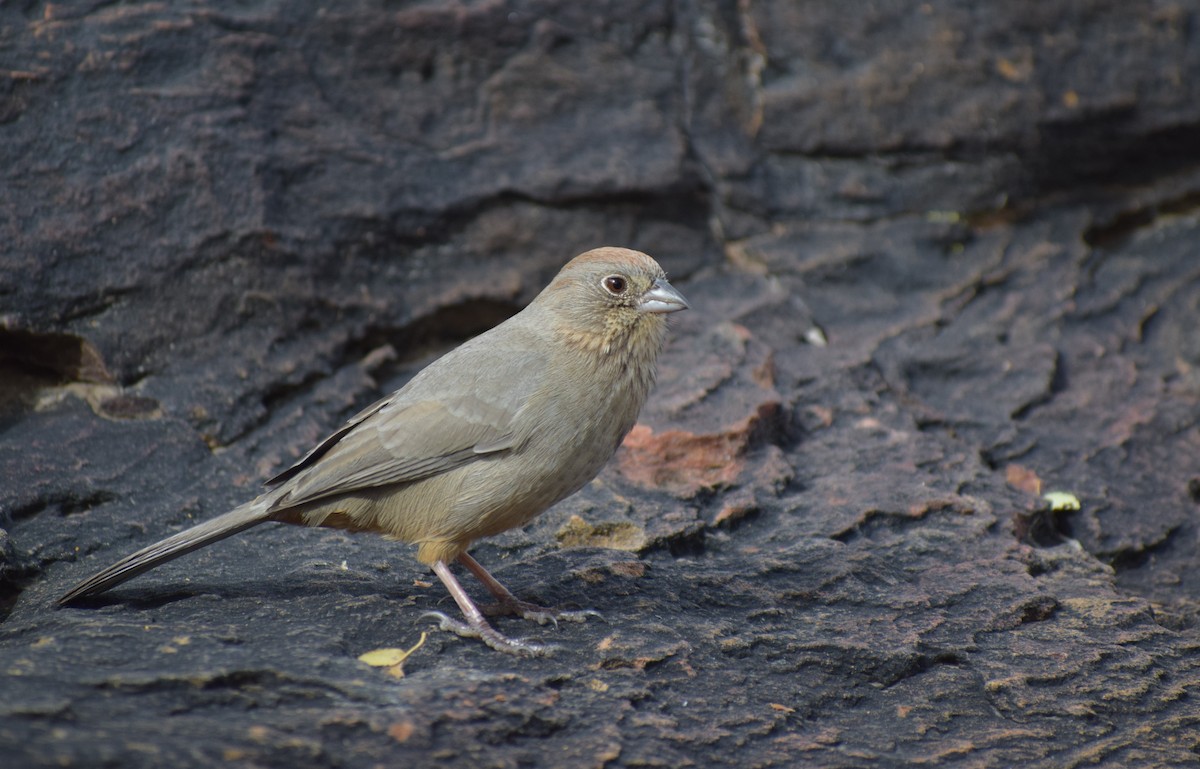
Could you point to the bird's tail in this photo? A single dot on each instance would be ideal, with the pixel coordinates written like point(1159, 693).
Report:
point(242, 518)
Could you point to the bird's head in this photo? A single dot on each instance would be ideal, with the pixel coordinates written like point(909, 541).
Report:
point(612, 299)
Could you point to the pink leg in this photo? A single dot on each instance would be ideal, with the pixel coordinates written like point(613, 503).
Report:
point(510, 604)
point(476, 626)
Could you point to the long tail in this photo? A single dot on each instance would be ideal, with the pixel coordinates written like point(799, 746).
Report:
point(242, 518)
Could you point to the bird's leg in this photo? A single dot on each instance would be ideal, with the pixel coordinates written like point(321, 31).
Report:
point(507, 603)
point(476, 626)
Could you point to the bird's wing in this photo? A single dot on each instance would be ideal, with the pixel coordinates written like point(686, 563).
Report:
point(451, 414)
point(324, 446)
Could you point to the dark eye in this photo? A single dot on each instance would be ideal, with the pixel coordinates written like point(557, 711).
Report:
point(615, 284)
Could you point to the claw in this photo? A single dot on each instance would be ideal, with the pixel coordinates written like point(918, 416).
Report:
point(579, 615)
point(538, 614)
point(490, 636)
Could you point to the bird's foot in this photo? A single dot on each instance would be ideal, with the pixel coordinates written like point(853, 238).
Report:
point(538, 614)
point(490, 636)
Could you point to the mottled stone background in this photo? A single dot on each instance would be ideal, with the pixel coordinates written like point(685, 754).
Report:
point(224, 227)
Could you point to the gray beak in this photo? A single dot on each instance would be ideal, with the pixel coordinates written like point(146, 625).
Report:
point(662, 298)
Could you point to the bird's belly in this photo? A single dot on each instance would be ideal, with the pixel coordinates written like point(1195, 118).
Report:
point(498, 495)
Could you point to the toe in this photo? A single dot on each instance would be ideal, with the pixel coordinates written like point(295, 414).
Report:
point(490, 636)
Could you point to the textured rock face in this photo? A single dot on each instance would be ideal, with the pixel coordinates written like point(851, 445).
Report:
point(223, 230)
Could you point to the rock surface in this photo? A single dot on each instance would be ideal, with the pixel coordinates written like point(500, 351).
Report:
point(225, 229)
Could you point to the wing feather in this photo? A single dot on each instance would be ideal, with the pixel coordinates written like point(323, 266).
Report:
point(423, 429)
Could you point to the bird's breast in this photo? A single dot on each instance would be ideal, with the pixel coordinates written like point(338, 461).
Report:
point(570, 428)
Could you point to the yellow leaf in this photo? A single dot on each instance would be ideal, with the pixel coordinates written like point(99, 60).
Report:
point(1061, 500)
point(392, 659)
point(383, 658)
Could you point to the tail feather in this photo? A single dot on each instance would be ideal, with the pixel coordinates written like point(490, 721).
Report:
point(239, 519)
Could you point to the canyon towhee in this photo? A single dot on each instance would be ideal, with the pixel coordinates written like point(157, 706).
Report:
point(482, 440)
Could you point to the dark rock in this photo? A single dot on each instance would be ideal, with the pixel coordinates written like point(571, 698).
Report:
point(226, 229)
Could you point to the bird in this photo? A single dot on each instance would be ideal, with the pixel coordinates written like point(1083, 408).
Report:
point(480, 441)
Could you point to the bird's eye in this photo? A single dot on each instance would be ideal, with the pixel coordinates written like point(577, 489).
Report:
point(615, 284)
